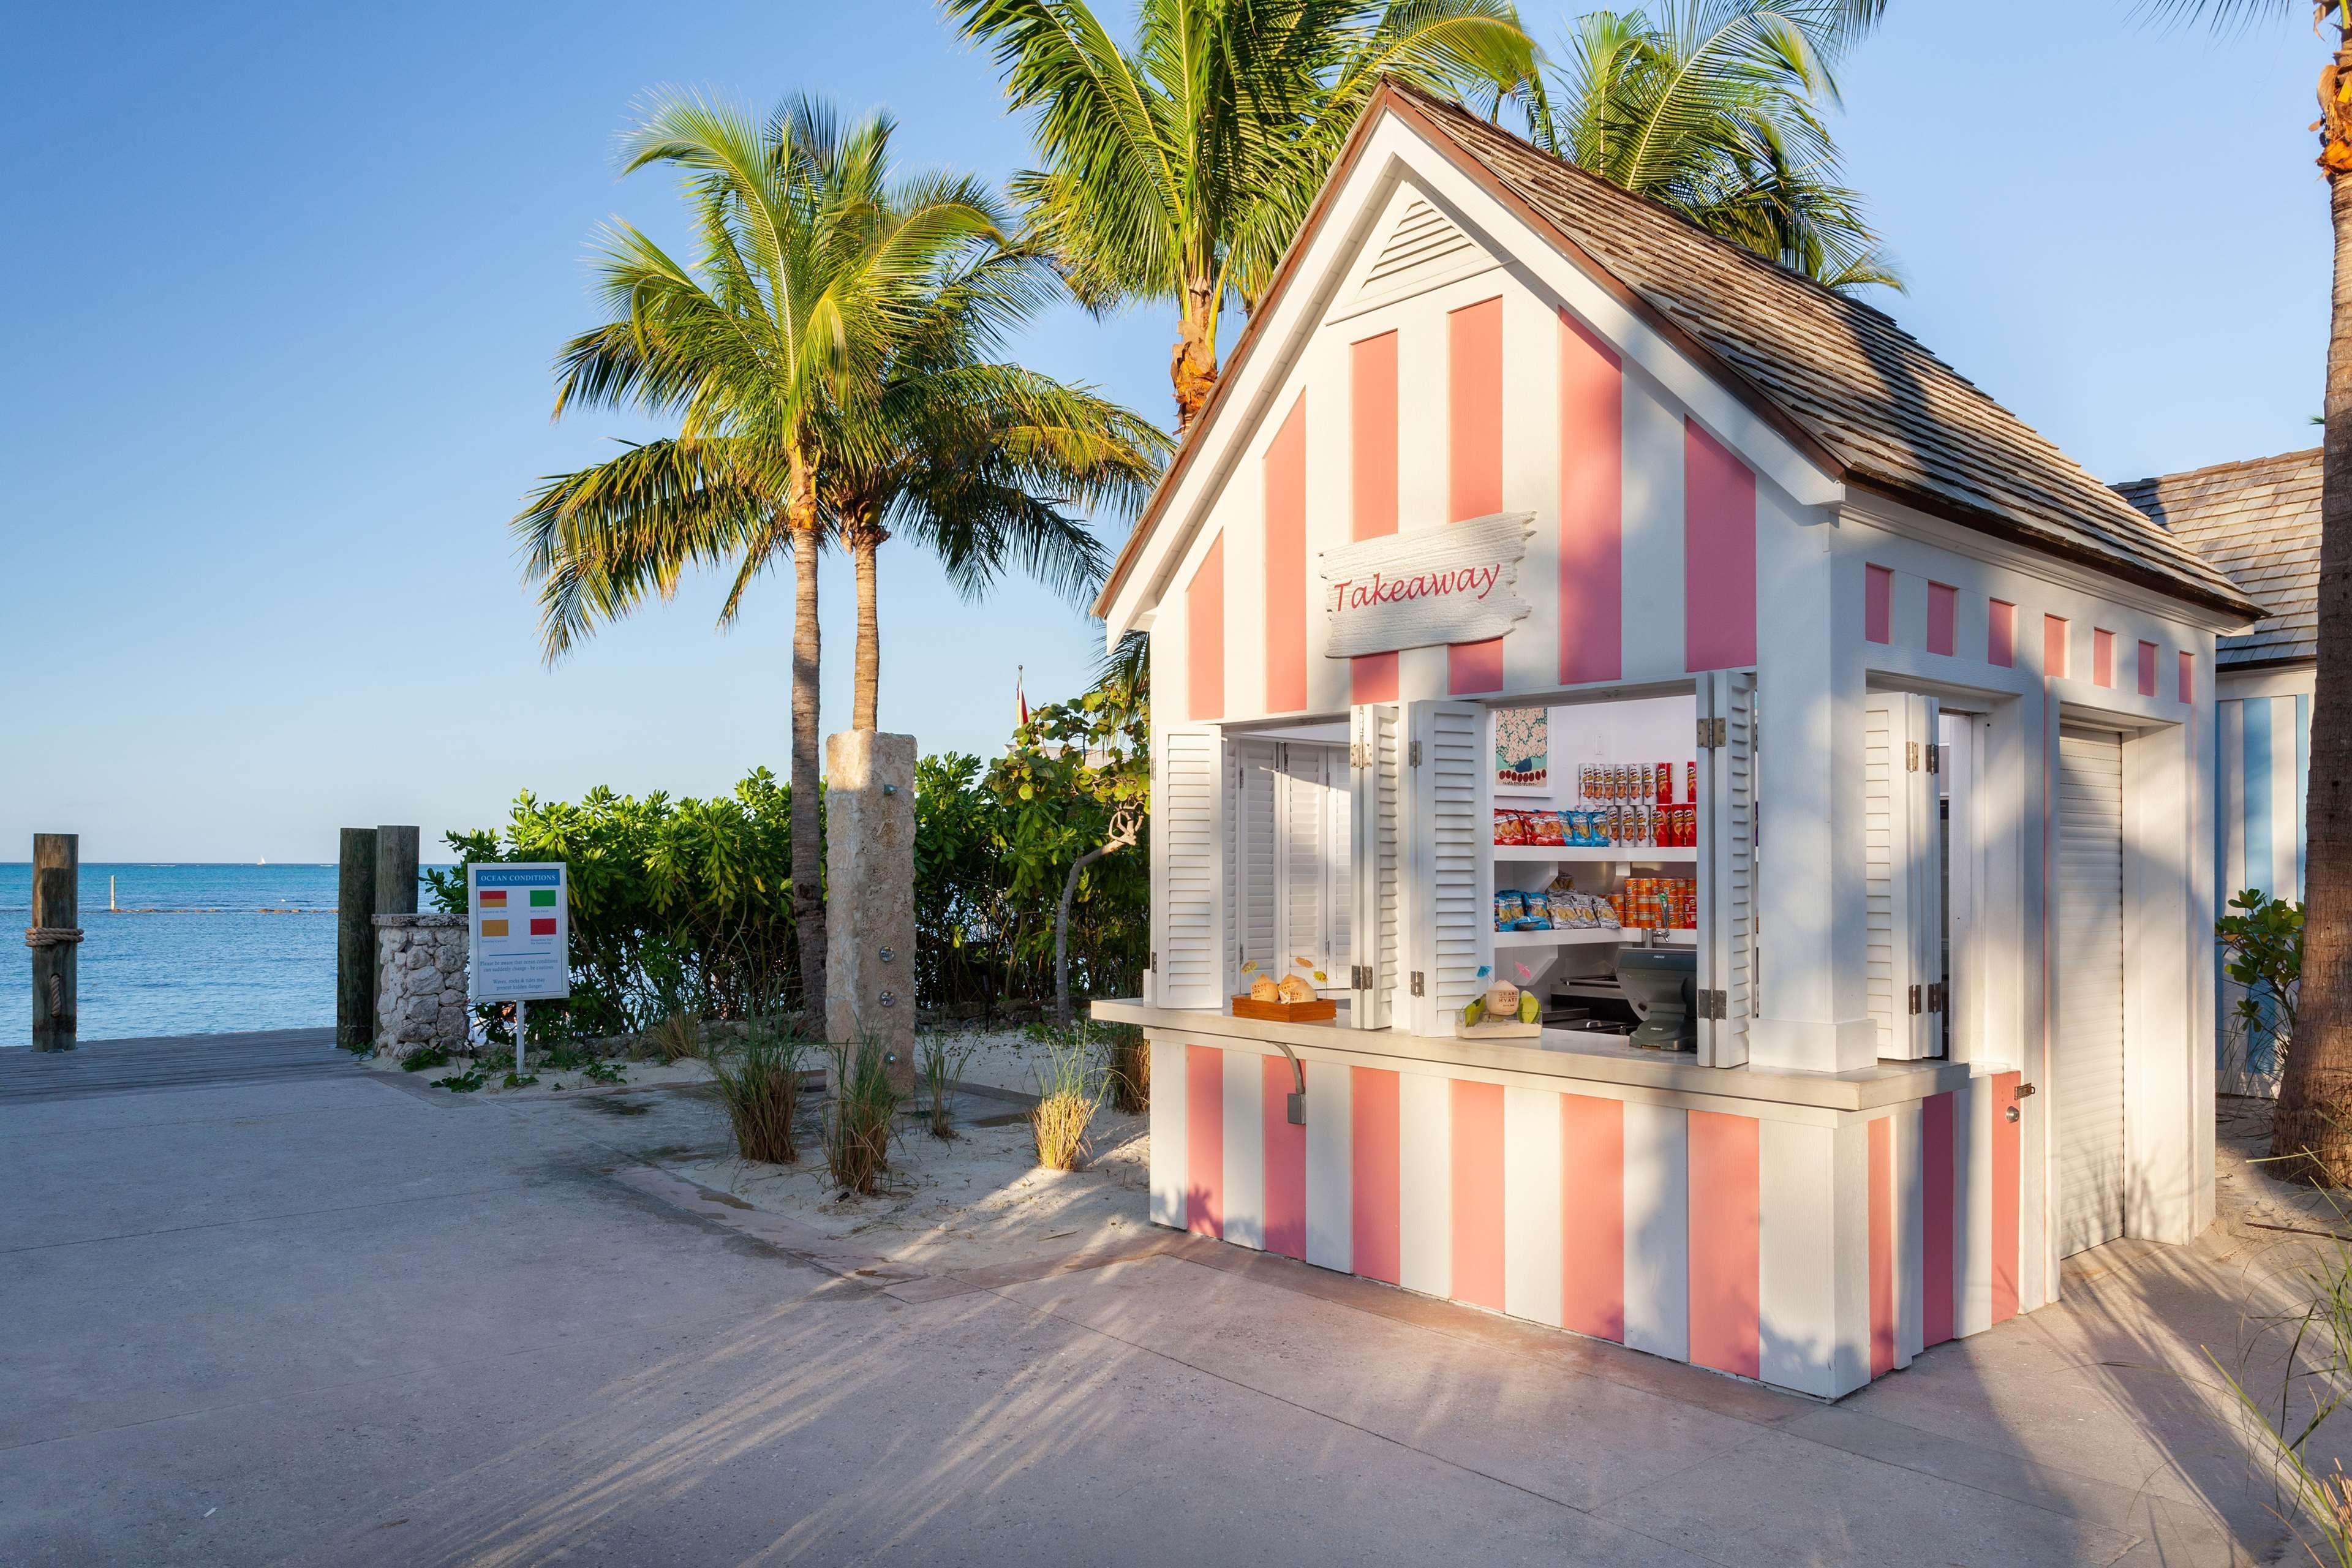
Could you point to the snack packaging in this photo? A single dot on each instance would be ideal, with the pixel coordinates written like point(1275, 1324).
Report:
point(1537, 915)
point(1543, 828)
point(1510, 827)
point(1509, 907)
point(1691, 796)
point(1665, 784)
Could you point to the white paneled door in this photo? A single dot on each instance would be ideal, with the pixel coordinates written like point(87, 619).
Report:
point(2089, 972)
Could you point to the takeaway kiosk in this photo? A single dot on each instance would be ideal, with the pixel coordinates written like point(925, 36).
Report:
point(1513, 479)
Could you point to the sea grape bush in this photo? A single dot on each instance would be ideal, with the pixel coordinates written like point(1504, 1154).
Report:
point(684, 906)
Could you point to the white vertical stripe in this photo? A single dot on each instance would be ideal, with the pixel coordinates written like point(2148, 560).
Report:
point(1654, 588)
point(1531, 483)
point(2229, 745)
point(2283, 799)
point(1531, 1218)
point(1426, 1183)
point(1907, 612)
point(1168, 1134)
point(1658, 1230)
point(1331, 518)
point(1972, 1114)
point(1908, 1126)
point(1241, 510)
point(1244, 1149)
point(1849, 1340)
point(1796, 1255)
point(1331, 1165)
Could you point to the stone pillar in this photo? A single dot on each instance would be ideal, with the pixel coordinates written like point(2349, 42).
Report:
point(869, 829)
point(420, 998)
point(355, 940)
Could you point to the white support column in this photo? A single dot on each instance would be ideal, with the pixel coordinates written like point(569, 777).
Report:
point(1531, 1204)
point(1426, 1183)
point(1330, 1166)
point(1797, 1257)
point(1657, 1229)
point(1168, 1112)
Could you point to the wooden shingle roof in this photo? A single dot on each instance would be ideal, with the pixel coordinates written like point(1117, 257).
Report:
point(2257, 521)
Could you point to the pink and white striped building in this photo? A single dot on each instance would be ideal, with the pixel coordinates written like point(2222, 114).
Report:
point(1503, 440)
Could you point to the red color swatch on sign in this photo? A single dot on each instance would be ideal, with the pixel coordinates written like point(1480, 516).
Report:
point(494, 897)
point(543, 927)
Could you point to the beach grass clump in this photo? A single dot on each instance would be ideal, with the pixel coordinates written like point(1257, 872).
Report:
point(858, 1123)
point(760, 1088)
point(1067, 1098)
point(944, 1060)
point(677, 1038)
point(1126, 1071)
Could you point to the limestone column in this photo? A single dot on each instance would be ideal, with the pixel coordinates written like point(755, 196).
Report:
point(869, 827)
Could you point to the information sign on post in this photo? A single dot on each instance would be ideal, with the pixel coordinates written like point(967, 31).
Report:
point(519, 936)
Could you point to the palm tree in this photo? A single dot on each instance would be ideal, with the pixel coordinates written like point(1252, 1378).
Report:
point(982, 459)
point(1179, 167)
point(814, 263)
point(1714, 108)
point(2312, 1129)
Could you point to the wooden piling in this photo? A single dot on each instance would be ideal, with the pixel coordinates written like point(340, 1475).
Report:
point(355, 940)
point(55, 938)
point(395, 870)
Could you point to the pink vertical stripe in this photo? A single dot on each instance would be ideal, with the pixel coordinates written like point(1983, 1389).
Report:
point(2006, 1173)
point(1372, 677)
point(2147, 669)
point(1719, 555)
point(2054, 646)
point(1478, 1193)
point(2188, 676)
point(1943, 613)
point(1286, 1164)
point(1937, 1306)
point(1372, 483)
point(1878, 604)
point(1725, 1248)
point(1204, 637)
point(1373, 1171)
point(2001, 635)
point(1286, 564)
point(1881, 1246)
point(1473, 468)
point(1204, 1141)
point(1592, 507)
point(1592, 1215)
point(2103, 657)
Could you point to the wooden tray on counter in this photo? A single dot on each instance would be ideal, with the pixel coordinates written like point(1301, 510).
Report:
point(1322, 1010)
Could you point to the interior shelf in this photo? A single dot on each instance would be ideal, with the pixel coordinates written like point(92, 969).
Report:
point(1639, 854)
point(1573, 934)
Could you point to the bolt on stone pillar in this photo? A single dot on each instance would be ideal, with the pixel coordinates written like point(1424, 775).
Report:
point(869, 831)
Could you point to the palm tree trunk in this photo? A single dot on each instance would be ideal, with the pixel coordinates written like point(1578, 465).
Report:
point(808, 842)
point(865, 541)
point(1192, 363)
point(2315, 1108)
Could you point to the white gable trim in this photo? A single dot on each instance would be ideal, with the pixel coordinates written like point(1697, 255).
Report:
point(1394, 154)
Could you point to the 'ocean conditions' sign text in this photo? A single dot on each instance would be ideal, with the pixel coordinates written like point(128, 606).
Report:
point(1431, 586)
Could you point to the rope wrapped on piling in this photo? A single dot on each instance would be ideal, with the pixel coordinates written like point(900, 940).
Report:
point(51, 936)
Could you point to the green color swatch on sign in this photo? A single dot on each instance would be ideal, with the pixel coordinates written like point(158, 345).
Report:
point(543, 897)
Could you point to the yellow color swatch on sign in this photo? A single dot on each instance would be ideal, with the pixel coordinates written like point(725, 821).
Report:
point(494, 928)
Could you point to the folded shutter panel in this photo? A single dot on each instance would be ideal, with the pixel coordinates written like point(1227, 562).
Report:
point(1726, 867)
point(1302, 826)
point(1257, 856)
point(1449, 915)
point(1187, 850)
point(1923, 799)
point(1902, 872)
point(1375, 810)
point(1339, 890)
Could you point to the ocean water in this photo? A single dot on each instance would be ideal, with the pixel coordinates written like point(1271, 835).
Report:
point(196, 950)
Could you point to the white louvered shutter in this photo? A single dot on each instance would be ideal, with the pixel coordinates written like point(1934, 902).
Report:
point(1727, 866)
point(1188, 798)
point(1301, 825)
point(1257, 848)
point(1375, 810)
point(1901, 873)
point(1338, 881)
point(1448, 913)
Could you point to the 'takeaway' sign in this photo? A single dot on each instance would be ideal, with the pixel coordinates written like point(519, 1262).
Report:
point(1423, 589)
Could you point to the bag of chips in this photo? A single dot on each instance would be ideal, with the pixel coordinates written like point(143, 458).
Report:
point(1510, 827)
point(1509, 905)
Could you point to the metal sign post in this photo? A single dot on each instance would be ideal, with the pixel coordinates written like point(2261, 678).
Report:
point(519, 937)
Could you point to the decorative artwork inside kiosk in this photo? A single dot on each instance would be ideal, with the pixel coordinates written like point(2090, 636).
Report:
point(1426, 588)
point(1523, 748)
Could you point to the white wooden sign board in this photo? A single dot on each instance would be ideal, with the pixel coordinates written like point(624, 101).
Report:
point(1427, 588)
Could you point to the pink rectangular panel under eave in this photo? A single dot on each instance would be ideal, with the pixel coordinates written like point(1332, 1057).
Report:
point(1592, 507)
point(1592, 1215)
point(1205, 1139)
point(2188, 676)
point(1474, 466)
point(1204, 637)
point(1375, 1171)
point(1877, 604)
point(1286, 564)
point(2000, 634)
point(2103, 657)
point(1286, 1162)
point(2147, 669)
point(1943, 613)
point(1726, 1242)
point(1719, 554)
point(1372, 483)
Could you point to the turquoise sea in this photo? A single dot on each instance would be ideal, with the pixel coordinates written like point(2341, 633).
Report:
point(194, 949)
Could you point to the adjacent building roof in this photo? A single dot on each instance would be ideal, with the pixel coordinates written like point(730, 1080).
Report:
point(1857, 393)
point(2259, 521)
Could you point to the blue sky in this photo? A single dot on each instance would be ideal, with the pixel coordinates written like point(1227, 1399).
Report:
point(286, 284)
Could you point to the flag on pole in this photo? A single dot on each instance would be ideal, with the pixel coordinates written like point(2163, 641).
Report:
point(1019, 697)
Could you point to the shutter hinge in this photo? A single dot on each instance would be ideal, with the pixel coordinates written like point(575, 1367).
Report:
point(1356, 754)
point(1416, 983)
point(1935, 758)
point(1712, 733)
point(1911, 763)
point(1935, 996)
point(1151, 960)
point(1915, 999)
point(1714, 1004)
point(1413, 755)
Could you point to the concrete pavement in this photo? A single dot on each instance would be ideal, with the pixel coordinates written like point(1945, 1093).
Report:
point(321, 1320)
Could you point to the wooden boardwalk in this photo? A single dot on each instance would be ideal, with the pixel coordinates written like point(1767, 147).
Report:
point(185, 1061)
